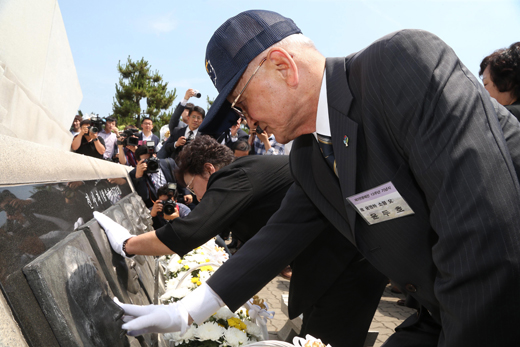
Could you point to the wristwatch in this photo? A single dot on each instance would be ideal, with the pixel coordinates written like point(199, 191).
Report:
point(95, 139)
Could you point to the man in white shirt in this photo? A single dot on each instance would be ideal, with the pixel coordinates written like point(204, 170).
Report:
point(109, 135)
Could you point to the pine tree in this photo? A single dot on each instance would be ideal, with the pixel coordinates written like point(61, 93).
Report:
point(138, 82)
point(209, 101)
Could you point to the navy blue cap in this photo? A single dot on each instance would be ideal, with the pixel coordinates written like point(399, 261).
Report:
point(231, 48)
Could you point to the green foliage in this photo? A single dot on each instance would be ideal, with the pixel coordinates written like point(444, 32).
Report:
point(209, 101)
point(138, 82)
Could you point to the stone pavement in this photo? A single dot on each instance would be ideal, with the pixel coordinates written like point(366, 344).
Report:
point(387, 317)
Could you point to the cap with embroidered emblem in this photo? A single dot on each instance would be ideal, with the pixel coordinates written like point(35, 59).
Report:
point(231, 48)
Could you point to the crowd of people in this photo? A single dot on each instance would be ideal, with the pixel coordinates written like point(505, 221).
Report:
point(420, 130)
point(155, 160)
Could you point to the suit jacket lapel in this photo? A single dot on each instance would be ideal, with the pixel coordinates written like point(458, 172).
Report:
point(343, 130)
point(319, 182)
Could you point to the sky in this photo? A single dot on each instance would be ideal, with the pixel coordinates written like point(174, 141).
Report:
point(172, 35)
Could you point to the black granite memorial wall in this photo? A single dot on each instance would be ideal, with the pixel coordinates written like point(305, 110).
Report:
point(34, 218)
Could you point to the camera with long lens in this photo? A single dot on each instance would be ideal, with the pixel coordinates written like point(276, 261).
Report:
point(169, 207)
point(129, 138)
point(152, 163)
point(96, 124)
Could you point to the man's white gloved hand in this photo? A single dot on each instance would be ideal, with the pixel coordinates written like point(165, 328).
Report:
point(154, 318)
point(116, 233)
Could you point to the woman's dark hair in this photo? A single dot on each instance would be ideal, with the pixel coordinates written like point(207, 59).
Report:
point(203, 149)
point(504, 69)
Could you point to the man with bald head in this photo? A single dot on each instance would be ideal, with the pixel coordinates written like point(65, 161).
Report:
point(401, 150)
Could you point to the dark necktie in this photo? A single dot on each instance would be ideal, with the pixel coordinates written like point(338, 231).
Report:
point(325, 143)
point(190, 135)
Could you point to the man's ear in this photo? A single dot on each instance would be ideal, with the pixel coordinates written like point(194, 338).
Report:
point(284, 64)
point(210, 168)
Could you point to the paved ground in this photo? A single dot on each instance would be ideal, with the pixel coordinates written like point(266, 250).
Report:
point(388, 315)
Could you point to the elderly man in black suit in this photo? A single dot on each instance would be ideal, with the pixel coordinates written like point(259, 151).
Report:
point(402, 150)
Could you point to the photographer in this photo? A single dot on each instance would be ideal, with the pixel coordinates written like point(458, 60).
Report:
point(127, 144)
point(109, 135)
point(75, 128)
point(87, 141)
point(166, 208)
point(152, 173)
point(180, 136)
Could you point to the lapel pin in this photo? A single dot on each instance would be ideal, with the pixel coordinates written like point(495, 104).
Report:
point(345, 140)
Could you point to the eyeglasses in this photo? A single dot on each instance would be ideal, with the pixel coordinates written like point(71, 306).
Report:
point(189, 184)
point(237, 110)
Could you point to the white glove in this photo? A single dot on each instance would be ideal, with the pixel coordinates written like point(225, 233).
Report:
point(154, 318)
point(116, 233)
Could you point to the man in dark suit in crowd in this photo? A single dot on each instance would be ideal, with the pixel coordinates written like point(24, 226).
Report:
point(146, 182)
point(232, 135)
point(180, 136)
point(146, 134)
point(241, 195)
point(402, 150)
point(178, 119)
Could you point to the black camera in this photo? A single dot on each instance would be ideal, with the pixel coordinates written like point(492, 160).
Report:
point(96, 124)
point(152, 163)
point(169, 207)
point(129, 138)
point(259, 130)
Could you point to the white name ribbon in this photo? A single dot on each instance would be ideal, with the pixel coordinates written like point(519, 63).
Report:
point(380, 204)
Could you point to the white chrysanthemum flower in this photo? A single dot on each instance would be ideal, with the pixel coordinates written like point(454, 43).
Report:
point(199, 258)
point(254, 330)
point(210, 331)
point(205, 275)
point(191, 264)
point(234, 337)
point(175, 293)
point(172, 283)
point(242, 311)
point(224, 313)
point(174, 266)
point(189, 334)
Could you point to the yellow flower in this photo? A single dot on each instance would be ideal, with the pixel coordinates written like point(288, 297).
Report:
point(199, 283)
point(207, 260)
point(237, 323)
point(206, 268)
point(186, 267)
point(194, 280)
point(179, 261)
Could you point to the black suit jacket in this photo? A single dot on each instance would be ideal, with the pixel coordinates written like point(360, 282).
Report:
point(166, 151)
point(226, 137)
point(169, 146)
point(415, 116)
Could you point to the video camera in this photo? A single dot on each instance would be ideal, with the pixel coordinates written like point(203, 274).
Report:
point(96, 124)
point(170, 206)
point(152, 163)
point(129, 138)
